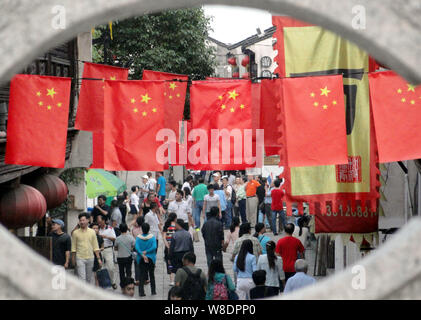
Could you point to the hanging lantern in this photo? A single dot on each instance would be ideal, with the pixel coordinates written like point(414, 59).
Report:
point(232, 61)
point(21, 207)
point(52, 188)
point(236, 75)
point(245, 75)
point(245, 61)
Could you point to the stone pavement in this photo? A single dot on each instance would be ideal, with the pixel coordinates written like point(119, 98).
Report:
point(162, 278)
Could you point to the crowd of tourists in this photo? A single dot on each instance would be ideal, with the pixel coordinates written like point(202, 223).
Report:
point(233, 213)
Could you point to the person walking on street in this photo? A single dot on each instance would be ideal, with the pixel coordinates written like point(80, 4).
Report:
point(101, 209)
point(240, 192)
point(267, 207)
point(252, 200)
point(62, 244)
point(198, 195)
point(167, 233)
point(181, 243)
point(219, 283)
point(211, 200)
point(97, 267)
point(272, 264)
point(154, 220)
point(300, 279)
point(180, 207)
point(260, 193)
point(190, 279)
point(107, 233)
point(245, 234)
point(228, 194)
point(124, 245)
point(146, 258)
point(115, 213)
point(260, 235)
point(84, 245)
point(277, 207)
point(288, 248)
point(134, 201)
point(244, 265)
point(213, 234)
point(161, 187)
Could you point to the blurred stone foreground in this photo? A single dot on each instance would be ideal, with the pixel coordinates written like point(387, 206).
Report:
point(391, 34)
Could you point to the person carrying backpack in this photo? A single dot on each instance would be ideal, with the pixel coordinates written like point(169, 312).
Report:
point(220, 285)
point(192, 280)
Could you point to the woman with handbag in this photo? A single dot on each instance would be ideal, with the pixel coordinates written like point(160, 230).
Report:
point(124, 245)
point(220, 285)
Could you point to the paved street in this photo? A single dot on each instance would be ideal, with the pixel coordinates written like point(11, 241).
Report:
point(162, 279)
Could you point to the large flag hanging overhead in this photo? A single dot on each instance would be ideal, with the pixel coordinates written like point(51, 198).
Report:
point(312, 51)
point(175, 97)
point(97, 150)
point(271, 102)
point(133, 116)
point(227, 107)
point(38, 121)
point(314, 120)
point(396, 108)
point(90, 110)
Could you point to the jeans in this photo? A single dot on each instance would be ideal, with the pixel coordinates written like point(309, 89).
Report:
point(282, 219)
point(125, 267)
point(198, 208)
point(146, 269)
point(211, 254)
point(242, 206)
point(269, 216)
point(228, 214)
point(84, 269)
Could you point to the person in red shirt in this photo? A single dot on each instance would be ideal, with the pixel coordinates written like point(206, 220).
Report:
point(277, 207)
point(147, 203)
point(252, 200)
point(288, 248)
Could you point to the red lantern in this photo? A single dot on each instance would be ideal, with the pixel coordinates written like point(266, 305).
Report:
point(52, 188)
point(232, 61)
point(245, 75)
point(236, 75)
point(245, 61)
point(22, 207)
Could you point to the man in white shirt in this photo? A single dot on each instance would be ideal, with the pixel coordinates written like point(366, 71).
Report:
point(153, 219)
point(180, 207)
point(108, 234)
point(187, 183)
point(144, 188)
point(151, 181)
point(228, 194)
point(173, 191)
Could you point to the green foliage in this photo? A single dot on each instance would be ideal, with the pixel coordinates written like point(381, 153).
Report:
point(170, 41)
point(72, 176)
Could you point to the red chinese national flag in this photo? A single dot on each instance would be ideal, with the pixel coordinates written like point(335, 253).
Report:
point(90, 110)
point(175, 96)
point(396, 107)
point(314, 114)
point(133, 116)
point(97, 150)
point(38, 121)
point(222, 105)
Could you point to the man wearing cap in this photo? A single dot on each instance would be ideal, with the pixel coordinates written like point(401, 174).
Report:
point(145, 188)
point(252, 200)
point(62, 244)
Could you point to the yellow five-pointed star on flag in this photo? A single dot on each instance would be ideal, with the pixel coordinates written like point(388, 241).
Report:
point(144, 113)
point(399, 90)
point(112, 78)
point(173, 85)
point(325, 91)
point(232, 109)
point(145, 98)
point(220, 98)
point(154, 110)
point(223, 106)
point(59, 104)
point(242, 106)
point(132, 100)
point(312, 94)
point(233, 95)
point(51, 92)
point(39, 93)
point(411, 87)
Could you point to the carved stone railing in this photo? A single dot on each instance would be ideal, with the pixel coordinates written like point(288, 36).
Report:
point(391, 34)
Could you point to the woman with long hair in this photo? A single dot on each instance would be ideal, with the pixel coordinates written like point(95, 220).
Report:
point(272, 264)
point(302, 231)
point(244, 265)
point(219, 283)
point(233, 234)
point(167, 233)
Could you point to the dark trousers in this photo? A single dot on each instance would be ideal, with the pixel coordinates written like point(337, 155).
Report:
point(212, 253)
point(125, 267)
point(288, 275)
point(242, 207)
point(177, 260)
point(146, 269)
